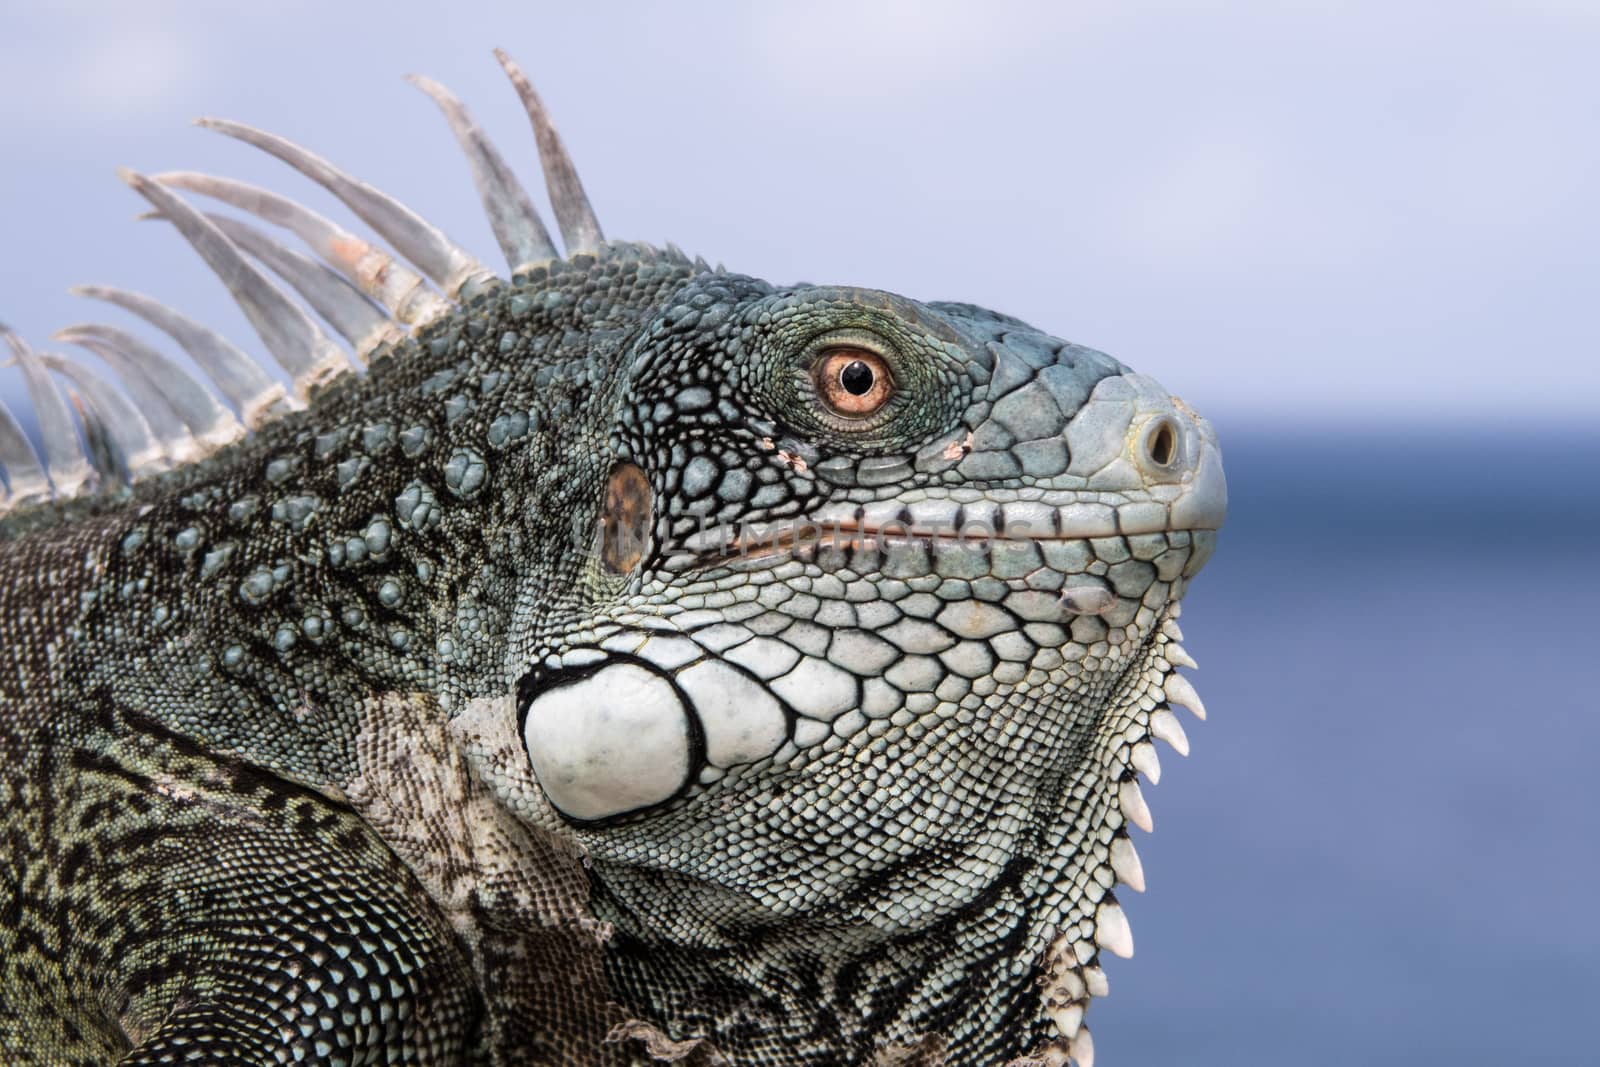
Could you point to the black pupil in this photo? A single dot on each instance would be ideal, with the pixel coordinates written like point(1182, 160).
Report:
point(856, 378)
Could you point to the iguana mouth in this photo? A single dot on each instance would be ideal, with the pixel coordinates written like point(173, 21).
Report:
point(1201, 507)
point(804, 534)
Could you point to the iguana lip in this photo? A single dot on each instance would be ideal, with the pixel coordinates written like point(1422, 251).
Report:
point(803, 534)
point(1198, 503)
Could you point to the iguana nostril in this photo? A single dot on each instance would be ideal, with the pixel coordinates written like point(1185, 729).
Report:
point(1160, 444)
point(1163, 445)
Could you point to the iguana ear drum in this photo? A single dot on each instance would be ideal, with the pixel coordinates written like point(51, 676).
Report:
point(611, 740)
point(625, 523)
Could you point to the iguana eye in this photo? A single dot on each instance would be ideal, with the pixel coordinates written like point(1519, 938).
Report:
point(853, 382)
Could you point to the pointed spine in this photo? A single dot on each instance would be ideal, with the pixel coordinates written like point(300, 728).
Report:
point(1146, 762)
point(177, 443)
point(1094, 980)
point(64, 461)
point(580, 230)
point(339, 303)
point(1125, 863)
point(288, 332)
point(1179, 691)
point(1164, 726)
point(142, 452)
point(1111, 930)
point(105, 454)
point(401, 291)
point(1081, 1048)
point(212, 424)
point(1134, 809)
point(1067, 1018)
point(258, 398)
point(517, 227)
point(25, 476)
point(450, 266)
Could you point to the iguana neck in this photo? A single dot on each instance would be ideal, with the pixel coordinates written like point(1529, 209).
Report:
point(837, 987)
point(376, 542)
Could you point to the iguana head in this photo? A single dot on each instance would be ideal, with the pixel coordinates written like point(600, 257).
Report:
point(833, 627)
point(879, 628)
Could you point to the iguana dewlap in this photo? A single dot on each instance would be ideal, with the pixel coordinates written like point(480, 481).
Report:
point(618, 662)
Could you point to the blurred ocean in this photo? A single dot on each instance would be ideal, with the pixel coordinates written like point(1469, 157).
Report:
point(1385, 847)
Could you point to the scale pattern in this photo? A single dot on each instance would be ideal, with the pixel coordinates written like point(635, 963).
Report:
point(570, 667)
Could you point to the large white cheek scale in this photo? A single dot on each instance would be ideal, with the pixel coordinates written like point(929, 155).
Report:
point(741, 720)
point(610, 743)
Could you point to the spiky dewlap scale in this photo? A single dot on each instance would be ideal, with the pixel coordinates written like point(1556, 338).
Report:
point(232, 622)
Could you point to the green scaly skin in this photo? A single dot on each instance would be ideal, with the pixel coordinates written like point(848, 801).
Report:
point(266, 790)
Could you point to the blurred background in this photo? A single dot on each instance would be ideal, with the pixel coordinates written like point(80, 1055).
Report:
point(1363, 238)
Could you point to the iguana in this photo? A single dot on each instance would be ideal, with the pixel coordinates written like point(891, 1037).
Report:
point(628, 661)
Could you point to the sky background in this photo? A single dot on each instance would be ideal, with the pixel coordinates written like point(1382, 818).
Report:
point(1284, 210)
point(1363, 238)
